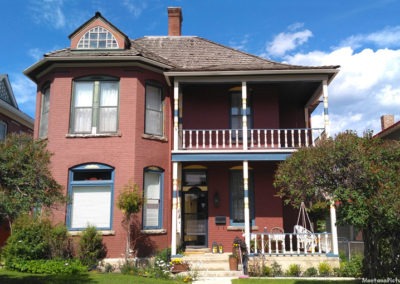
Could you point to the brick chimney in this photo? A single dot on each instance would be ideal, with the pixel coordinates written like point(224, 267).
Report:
point(175, 19)
point(387, 120)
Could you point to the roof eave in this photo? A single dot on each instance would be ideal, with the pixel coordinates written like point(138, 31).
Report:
point(36, 68)
point(17, 115)
point(329, 74)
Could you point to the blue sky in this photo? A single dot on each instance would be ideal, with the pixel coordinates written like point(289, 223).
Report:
point(361, 36)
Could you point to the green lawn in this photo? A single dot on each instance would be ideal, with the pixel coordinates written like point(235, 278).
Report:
point(291, 281)
point(12, 277)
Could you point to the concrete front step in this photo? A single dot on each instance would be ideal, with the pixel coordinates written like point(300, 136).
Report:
point(208, 261)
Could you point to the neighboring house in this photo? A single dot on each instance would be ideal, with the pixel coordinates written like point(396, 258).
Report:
point(12, 119)
point(390, 129)
point(199, 126)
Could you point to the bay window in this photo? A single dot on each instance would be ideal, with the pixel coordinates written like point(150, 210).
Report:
point(154, 120)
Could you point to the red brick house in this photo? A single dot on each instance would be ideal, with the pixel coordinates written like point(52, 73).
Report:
point(12, 120)
point(199, 126)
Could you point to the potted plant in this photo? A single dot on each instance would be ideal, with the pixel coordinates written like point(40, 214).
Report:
point(233, 262)
point(178, 265)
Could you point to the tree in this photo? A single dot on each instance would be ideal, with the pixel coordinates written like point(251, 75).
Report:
point(362, 175)
point(26, 182)
point(130, 202)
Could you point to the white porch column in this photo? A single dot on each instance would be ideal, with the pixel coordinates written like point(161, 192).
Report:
point(174, 207)
point(334, 229)
point(326, 112)
point(244, 115)
point(176, 115)
point(246, 204)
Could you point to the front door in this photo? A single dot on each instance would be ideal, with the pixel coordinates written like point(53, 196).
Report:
point(195, 216)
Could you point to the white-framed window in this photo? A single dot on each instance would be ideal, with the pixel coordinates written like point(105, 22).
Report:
point(95, 106)
point(237, 197)
point(44, 113)
point(237, 111)
point(97, 38)
point(153, 198)
point(90, 191)
point(3, 130)
point(154, 120)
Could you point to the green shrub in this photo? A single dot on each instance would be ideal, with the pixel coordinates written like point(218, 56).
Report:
point(276, 269)
point(29, 240)
point(91, 247)
point(60, 243)
point(267, 271)
point(164, 255)
point(129, 267)
point(294, 270)
point(310, 272)
point(351, 268)
point(324, 269)
point(45, 266)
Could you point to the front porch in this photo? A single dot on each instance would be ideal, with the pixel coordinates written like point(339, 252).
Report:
point(257, 139)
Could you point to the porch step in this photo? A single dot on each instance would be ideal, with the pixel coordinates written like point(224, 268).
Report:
point(209, 263)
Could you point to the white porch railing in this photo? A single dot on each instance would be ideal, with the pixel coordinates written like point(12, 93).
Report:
point(291, 244)
point(212, 139)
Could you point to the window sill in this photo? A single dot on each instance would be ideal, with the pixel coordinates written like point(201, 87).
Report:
point(240, 228)
point(90, 135)
point(155, 137)
point(102, 232)
point(154, 232)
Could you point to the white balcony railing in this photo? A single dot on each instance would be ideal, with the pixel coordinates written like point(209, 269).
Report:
point(213, 139)
point(291, 244)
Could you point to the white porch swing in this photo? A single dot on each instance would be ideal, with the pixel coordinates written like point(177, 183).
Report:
point(306, 239)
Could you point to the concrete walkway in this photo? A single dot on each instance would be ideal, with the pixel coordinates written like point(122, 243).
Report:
point(214, 280)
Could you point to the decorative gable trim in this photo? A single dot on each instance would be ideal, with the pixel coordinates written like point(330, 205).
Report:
point(99, 21)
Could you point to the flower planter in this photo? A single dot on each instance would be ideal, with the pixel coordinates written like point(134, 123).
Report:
point(233, 263)
point(179, 267)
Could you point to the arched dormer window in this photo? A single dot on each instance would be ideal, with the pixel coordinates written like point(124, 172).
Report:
point(98, 38)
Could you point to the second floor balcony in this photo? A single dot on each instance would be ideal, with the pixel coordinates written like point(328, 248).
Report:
point(257, 139)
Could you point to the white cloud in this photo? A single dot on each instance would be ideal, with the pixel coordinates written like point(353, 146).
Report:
point(366, 87)
point(24, 93)
point(288, 41)
point(36, 53)
point(388, 37)
point(48, 12)
point(135, 7)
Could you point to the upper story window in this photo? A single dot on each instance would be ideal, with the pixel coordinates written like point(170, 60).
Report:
point(154, 121)
point(237, 111)
point(95, 106)
point(97, 37)
point(44, 113)
point(3, 130)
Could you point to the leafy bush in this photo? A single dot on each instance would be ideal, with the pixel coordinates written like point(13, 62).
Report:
point(351, 268)
point(324, 269)
point(45, 266)
point(164, 255)
point(129, 267)
point(310, 272)
point(294, 270)
point(29, 240)
point(91, 247)
point(60, 243)
point(276, 269)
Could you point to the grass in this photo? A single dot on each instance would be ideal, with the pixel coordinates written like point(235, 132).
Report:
point(12, 277)
point(291, 281)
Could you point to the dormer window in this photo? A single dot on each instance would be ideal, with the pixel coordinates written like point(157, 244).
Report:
point(98, 38)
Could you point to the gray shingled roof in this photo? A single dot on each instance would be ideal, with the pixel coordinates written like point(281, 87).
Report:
point(188, 53)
